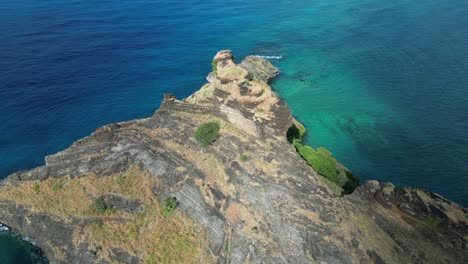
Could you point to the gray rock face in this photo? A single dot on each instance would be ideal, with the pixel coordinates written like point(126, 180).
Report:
point(260, 68)
point(49, 232)
point(120, 255)
point(122, 204)
point(268, 207)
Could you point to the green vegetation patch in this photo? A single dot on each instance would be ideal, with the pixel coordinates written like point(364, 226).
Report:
point(321, 160)
point(99, 204)
point(243, 158)
point(432, 221)
point(214, 66)
point(37, 188)
point(58, 184)
point(207, 133)
point(170, 204)
point(120, 180)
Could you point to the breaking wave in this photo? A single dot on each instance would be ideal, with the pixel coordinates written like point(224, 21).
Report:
point(269, 57)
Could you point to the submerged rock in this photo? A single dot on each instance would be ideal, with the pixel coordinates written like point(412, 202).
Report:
point(247, 197)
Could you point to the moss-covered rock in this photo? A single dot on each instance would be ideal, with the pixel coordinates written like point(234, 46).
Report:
point(322, 160)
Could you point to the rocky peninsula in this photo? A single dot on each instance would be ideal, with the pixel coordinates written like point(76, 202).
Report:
point(222, 177)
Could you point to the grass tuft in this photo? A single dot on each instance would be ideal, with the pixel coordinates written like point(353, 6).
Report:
point(100, 205)
point(120, 180)
point(207, 133)
point(58, 184)
point(432, 221)
point(170, 204)
point(37, 188)
point(214, 66)
point(243, 158)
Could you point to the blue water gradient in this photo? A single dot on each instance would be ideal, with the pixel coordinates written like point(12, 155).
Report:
point(382, 84)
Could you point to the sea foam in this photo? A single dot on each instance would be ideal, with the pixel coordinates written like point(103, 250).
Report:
point(269, 57)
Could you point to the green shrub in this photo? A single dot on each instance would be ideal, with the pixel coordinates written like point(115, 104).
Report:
point(36, 188)
point(207, 133)
point(214, 66)
point(121, 178)
point(432, 220)
point(133, 232)
point(322, 161)
point(243, 158)
point(58, 184)
point(169, 206)
point(100, 205)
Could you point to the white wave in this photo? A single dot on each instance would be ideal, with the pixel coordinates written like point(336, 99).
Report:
point(269, 57)
point(27, 239)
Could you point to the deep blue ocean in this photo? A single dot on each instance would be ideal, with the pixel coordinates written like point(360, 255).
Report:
point(382, 84)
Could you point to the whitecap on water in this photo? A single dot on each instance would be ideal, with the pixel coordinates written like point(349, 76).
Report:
point(269, 57)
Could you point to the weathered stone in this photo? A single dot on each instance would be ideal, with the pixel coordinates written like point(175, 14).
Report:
point(122, 204)
point(260, 68)
point(122, 256)
point(268, 208)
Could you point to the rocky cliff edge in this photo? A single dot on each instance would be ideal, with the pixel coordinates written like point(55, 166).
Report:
point(145, 191)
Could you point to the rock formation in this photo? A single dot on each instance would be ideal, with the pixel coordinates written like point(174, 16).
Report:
point(145, 191)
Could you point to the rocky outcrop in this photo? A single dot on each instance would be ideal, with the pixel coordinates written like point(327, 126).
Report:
point(261, 69)
point(240, 94)
point(251, 196)
point(117, 202)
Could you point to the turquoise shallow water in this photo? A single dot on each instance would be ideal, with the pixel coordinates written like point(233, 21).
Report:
point(382, 84)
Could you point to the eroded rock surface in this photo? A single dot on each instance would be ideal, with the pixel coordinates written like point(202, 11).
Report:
point(117, 202)
point(256, 199)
